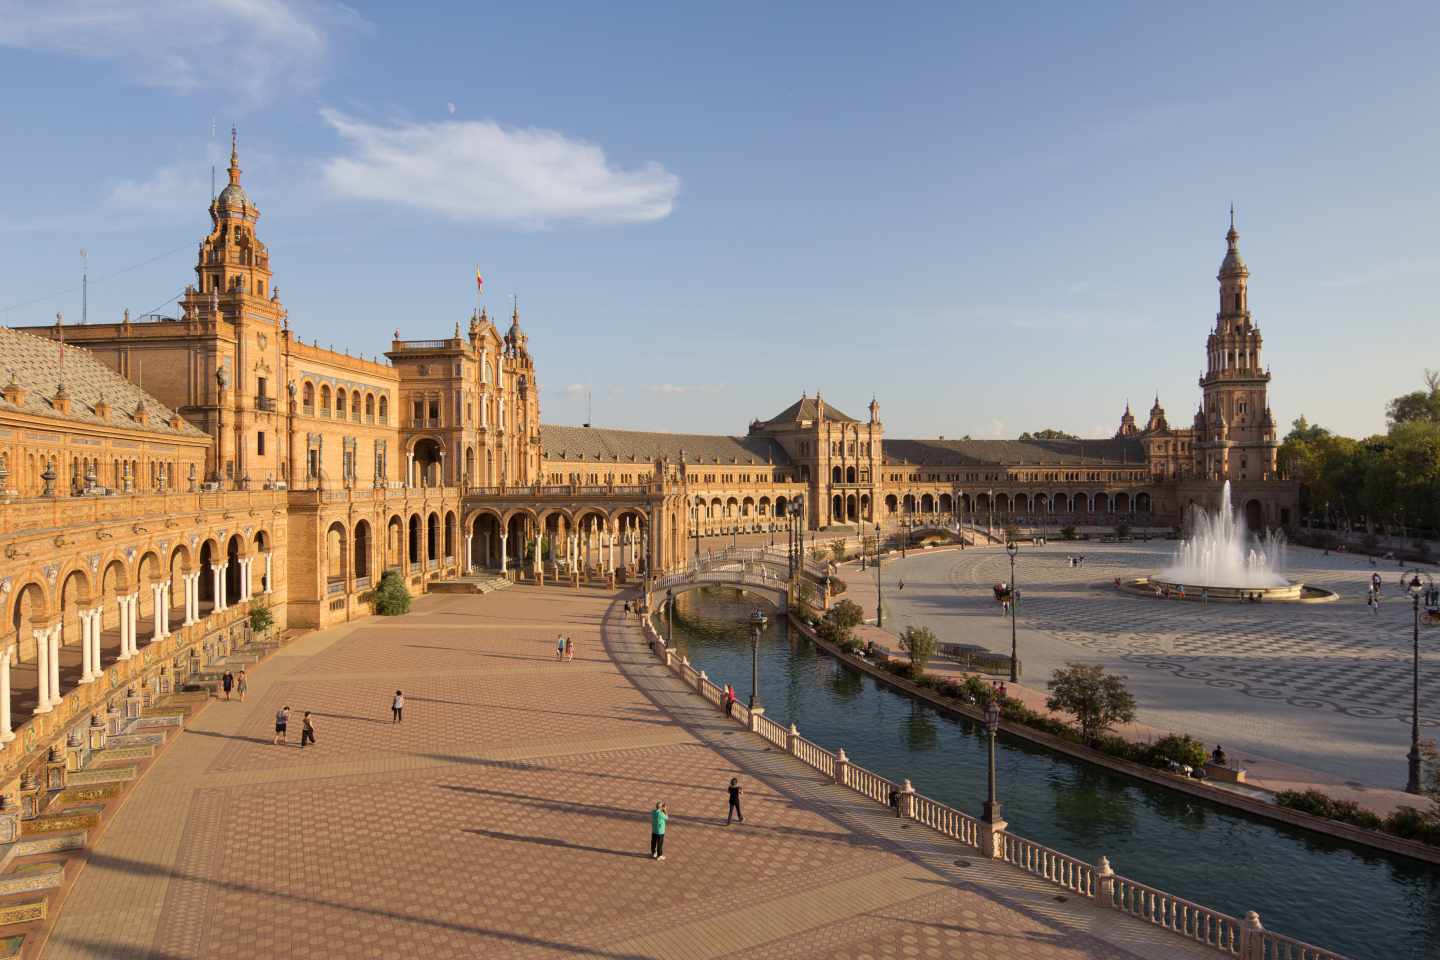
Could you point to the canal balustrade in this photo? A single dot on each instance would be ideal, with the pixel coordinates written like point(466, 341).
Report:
point(1244, 938)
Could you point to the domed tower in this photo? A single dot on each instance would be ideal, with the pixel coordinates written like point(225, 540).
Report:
point(1238, 443)
point(236, 306)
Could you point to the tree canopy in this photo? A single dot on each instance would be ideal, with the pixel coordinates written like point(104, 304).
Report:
point(1049, 433)
point(1389, 477)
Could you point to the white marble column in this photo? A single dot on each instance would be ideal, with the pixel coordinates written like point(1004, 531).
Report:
point(190, 584)
point(269, 583)
point(218, 590)
point(610, 535)
point(245, 590)
point(157, 596)
point(469, 542)
point(504, 557)
point(56, 633)
point(6, 734)
point(169, 602)
point(97, 661)
point(42, 669)
point(536, 559)
point(124, 604)
point(87, 669)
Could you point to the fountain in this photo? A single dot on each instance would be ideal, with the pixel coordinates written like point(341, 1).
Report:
point(1222, 561)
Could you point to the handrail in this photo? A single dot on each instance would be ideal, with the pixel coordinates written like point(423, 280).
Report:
point(1219, 931)
point(1178, 915)
point(1060, 869)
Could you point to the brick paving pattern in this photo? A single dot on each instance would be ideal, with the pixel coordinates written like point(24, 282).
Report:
point(507, 817)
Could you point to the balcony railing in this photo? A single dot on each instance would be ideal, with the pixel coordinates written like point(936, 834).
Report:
point(265, 403)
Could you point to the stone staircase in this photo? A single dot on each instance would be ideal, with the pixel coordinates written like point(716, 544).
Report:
point(484, 583)
point(36, 870)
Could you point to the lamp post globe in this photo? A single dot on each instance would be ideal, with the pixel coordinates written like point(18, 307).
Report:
point(992, 726)
point(757, 624)
point(1013, 548)
point(1417, 588)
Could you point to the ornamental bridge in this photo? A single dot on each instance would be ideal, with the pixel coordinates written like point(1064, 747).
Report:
point(763, 572)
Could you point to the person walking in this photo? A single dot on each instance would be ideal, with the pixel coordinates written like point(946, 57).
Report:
point(227, 681)
point(307, 730)
point(627, 609)
point(569, 649)
point(397, 707)
point(734, 809)
point(658, 819)
point(560, 646)
point(241, 685)
point(282, 722)
point(729, 700)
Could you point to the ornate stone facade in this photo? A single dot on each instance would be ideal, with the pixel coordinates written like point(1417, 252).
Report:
point(158, 476)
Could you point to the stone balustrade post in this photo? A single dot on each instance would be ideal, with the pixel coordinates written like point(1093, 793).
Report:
point(791, 736)
point(906, 808)
point(1104, 883)
point(700, 681)
point(842, 767)
point(668, 655)
point(1252, 937)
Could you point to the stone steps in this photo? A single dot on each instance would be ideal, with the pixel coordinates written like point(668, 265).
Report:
point(68, 820)
point(97, 775)
point(135, 740)
point(32, 877)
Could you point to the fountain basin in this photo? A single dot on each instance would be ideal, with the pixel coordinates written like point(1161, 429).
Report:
point(1160, 587)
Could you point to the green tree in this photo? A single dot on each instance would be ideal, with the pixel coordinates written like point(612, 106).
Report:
point(1098, 700)
point(1048, 433)
point(837, 550)
point(922, 644)
point(1418, 404)
point(261, 619)
point(392, 597)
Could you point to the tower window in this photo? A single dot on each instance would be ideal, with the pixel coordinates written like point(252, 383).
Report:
point(260, 443)
point(1237, 301)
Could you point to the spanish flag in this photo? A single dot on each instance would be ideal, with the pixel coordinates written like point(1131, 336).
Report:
point(479, 281)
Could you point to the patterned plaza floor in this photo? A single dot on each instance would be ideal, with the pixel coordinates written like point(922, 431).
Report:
point(1325, 686)
point(507, 817)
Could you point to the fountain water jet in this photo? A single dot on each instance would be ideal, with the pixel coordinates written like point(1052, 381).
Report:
point(1221, 553)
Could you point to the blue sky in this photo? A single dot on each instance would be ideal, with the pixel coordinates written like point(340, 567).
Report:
point(992, 219)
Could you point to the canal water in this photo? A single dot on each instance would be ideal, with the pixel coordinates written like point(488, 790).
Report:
point(1350, 899)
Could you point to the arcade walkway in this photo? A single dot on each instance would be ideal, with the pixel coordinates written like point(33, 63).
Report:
point(507, 817)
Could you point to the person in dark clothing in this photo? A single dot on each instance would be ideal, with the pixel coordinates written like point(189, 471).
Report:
point(227, 681)
point(307, 730)
point(397, 707)
point(734, 810)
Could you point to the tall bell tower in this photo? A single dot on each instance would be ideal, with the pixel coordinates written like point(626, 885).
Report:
point(1235, 430)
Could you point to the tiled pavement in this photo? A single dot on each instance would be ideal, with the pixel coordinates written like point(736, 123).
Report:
point(1288, 687)
point(507, 817)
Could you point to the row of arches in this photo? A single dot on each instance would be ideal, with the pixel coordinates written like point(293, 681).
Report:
point(367, 404)
point(1021, 503)
point(95, 614)
point(562, 541)
point(410, 542)
point(732, 508)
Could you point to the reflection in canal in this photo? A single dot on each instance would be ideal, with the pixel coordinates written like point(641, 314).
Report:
point(1357, 901)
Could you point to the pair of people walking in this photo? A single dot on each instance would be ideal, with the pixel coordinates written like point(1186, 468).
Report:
point(282, 727)
point(238, 683)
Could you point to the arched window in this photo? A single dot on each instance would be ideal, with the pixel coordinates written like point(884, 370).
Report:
point(324, 400)
point(309, 397)
point(340, 403)
point(370, 406)
point(384, 408)
point(355, 406)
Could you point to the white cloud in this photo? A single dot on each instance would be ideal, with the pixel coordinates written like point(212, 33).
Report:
point(479, 171)
point(575, 389)
point(450, 106)
point(679, 388)
point(248, 46)
point(997, 428)
point(173, 188)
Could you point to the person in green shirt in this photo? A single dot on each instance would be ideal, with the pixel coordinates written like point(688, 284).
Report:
point(658, 818)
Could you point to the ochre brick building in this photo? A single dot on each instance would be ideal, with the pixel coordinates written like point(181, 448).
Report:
point(160, 478)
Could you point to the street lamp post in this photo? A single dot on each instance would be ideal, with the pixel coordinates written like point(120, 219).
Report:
point(992, 726)
point(757, 624)
point(879, 590)
point(1013, 548)
point(1417, 589)
point(669, 618)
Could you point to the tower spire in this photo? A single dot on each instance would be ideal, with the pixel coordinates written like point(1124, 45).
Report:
point(234, 157)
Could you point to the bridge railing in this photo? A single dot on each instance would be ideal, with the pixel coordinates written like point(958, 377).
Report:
point(1246, 939)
